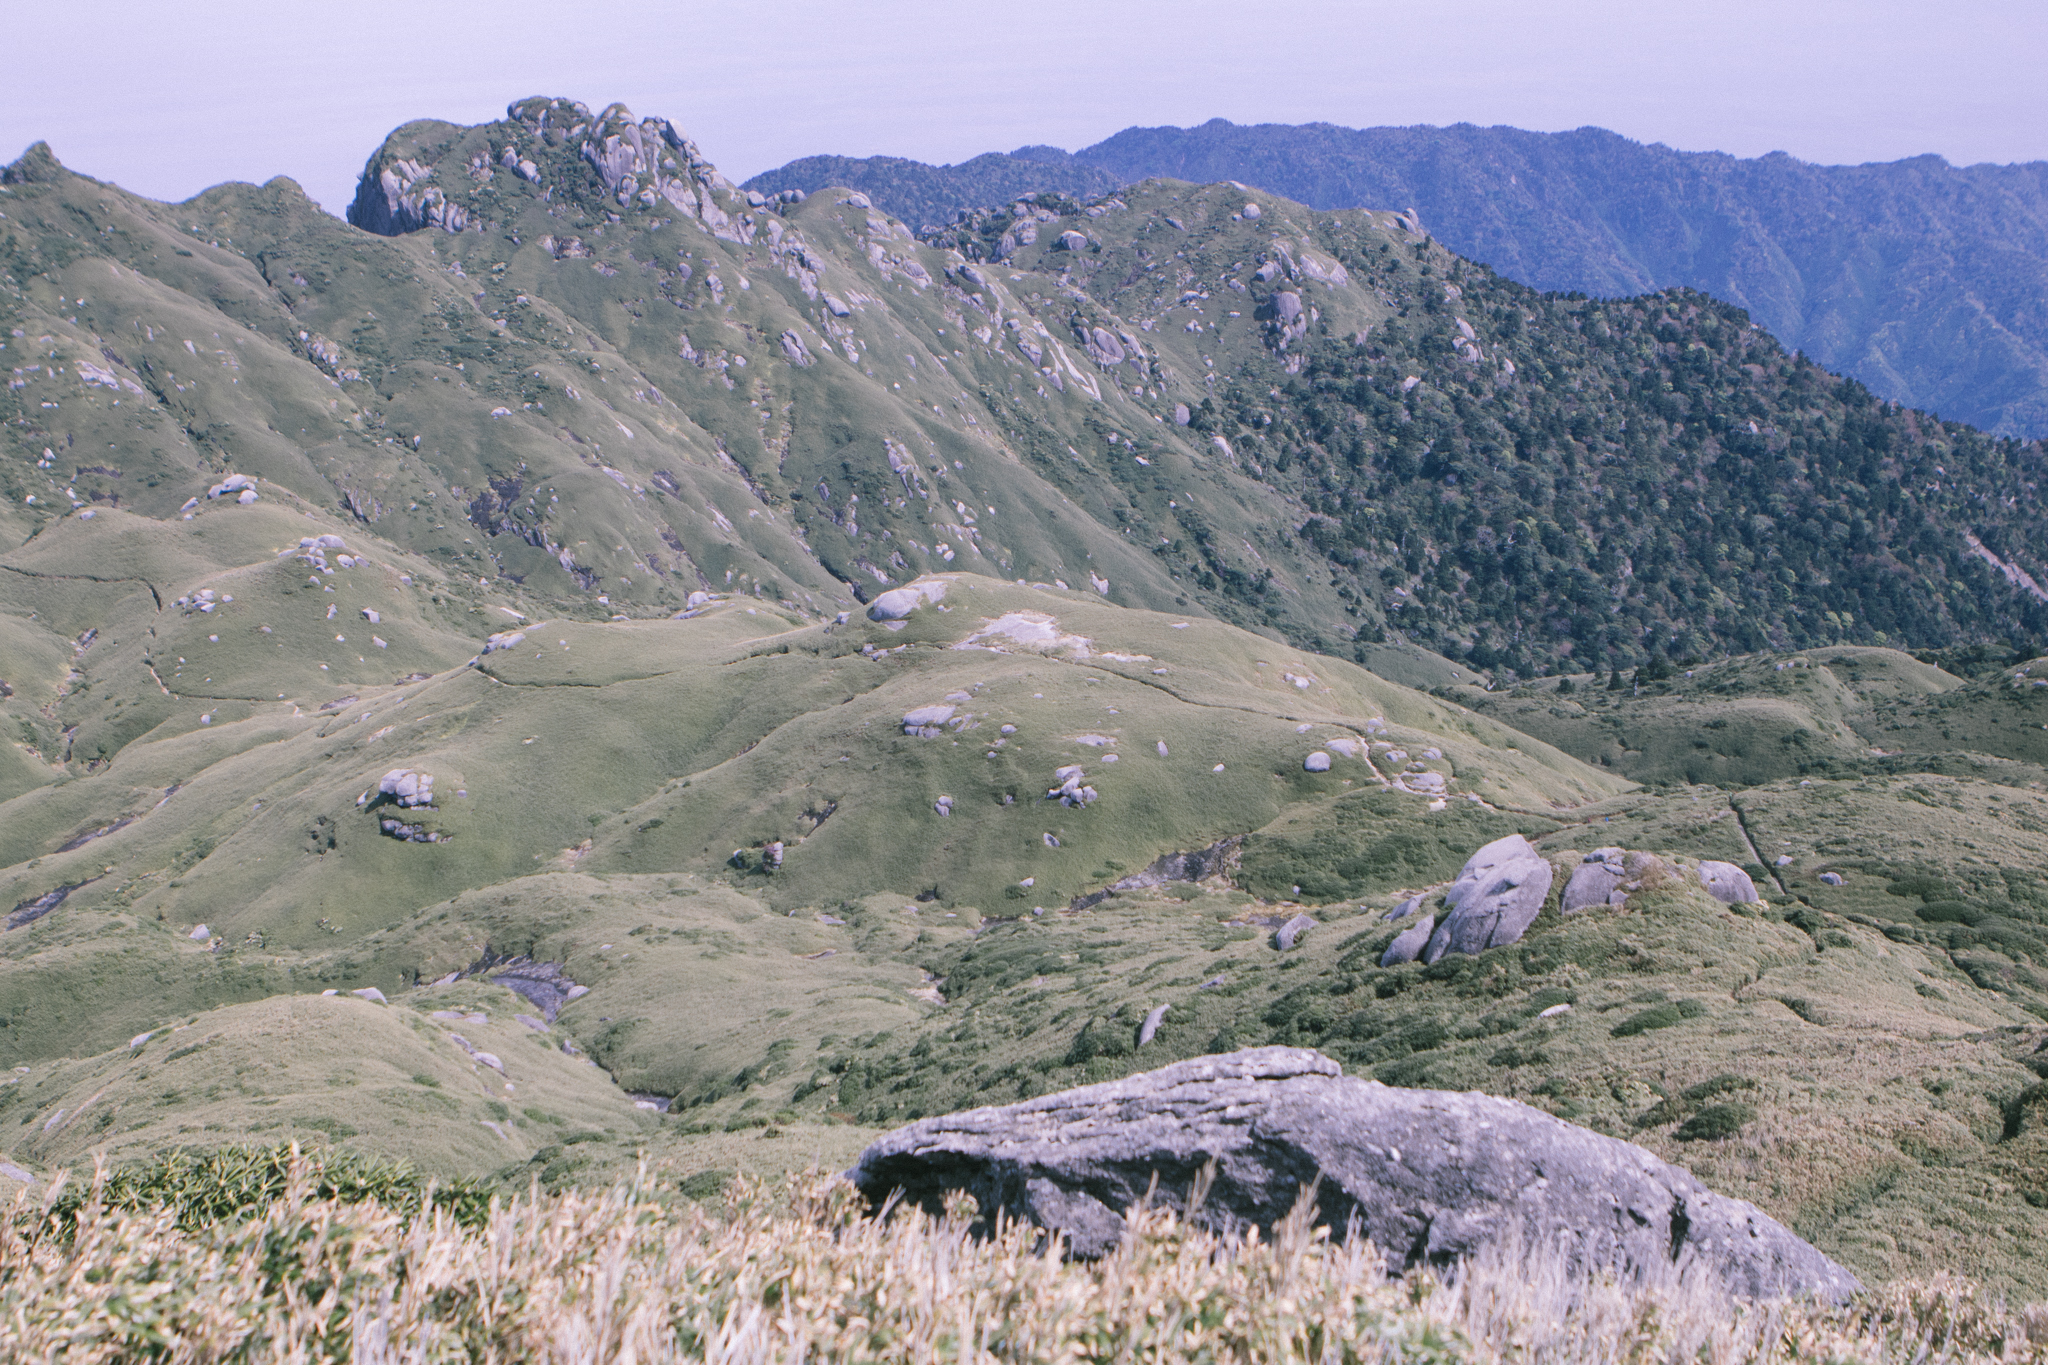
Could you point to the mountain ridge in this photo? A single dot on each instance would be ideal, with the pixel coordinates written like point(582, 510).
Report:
point(1859, 266)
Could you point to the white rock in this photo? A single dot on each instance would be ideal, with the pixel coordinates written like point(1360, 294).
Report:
point(897, 603)
point(248, 496)
point(1554, 1011)
point(201, 934)
point(372, 617)
point(371, 994)
point(1317, 762)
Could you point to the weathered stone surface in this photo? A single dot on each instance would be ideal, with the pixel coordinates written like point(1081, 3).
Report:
point(897, 603)
point(1153, 1018)
point(1593, 881)
point(1406, 908)
point(1073, 241)
point(1430, 1176)
point(407, 788)
point(1496, 897)
point(1409, 943)
point(1728, 884)
point(1289, 934)
point(1212, 861)
point(926, 721)
point(1317, 762)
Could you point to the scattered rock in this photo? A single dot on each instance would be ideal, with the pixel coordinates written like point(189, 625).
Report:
point(1253, 212)
point(1495, 898)
point(771, 855)
point(1554, 1011)
point(200, 934)
point(538, 1026)
point(1161, 747)
point(1181, 415)
point(1434, 1177)
point(944, 805)
point(1317, 762)
point(1831, 878)
point(504, 639)
point(1405, 908)
point(1289, 934)
point(1070, 791)
point(1728, 884)
point(233, 483)
point(1409, 943)
point(371, 994)
point(394, 828)
point(1784, 860)
point(14, 1172)
point(1071, 240)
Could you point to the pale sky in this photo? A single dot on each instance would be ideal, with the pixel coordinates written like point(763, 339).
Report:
point(167, 99)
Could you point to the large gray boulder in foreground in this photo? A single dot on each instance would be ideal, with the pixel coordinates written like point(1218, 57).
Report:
point(1432, 1177)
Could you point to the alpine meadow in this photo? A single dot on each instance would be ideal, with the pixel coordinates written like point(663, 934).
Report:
point(1263, 790)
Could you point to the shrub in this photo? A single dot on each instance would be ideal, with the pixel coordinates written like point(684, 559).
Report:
point(1659, 1016)
point(1715, 1121)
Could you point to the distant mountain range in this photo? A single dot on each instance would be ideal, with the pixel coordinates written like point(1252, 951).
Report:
point(1929, 282)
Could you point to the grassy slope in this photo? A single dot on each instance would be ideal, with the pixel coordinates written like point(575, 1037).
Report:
point(593, 783)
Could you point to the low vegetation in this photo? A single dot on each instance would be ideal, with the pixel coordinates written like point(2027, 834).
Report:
point(801, 1270)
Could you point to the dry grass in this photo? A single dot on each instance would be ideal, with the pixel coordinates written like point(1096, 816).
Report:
point(799, 1273)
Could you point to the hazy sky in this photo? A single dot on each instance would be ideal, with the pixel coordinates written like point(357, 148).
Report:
point(167, 99)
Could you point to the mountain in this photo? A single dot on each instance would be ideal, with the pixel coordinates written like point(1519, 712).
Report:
point(1928, 282)
point(926, 196)
point(705, 677)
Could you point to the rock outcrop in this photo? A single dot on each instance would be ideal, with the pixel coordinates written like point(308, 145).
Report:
point(1596, 881)
point(1494, 900)
point(1728, 884)
point(1409, 943)
point(1432, 1177)
point(897, 603)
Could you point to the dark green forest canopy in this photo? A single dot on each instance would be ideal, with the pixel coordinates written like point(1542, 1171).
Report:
point(1659, 478)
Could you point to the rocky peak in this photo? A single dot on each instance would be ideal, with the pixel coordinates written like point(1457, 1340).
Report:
point(36, 166)
point(641, 166)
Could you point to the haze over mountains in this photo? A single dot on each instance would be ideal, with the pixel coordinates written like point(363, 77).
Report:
point(678, 646)
point(1929, 282)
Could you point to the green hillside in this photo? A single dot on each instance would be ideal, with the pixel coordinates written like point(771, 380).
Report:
point(614, 670)
point(1922, 279)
